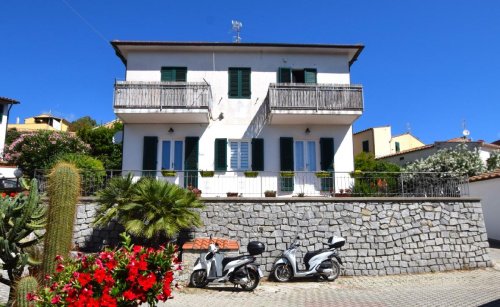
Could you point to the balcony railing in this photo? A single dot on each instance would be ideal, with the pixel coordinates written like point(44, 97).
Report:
point(327, 184)
point(319, 97)
point(162, 95)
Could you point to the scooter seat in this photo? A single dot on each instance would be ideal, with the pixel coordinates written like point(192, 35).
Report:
point(309, 255)
point(229, 259)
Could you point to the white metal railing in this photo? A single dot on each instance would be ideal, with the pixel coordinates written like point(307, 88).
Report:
point(315, 96)
point(162, 95)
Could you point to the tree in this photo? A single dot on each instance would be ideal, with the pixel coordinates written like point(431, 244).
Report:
point(149, 208)
point(11, 135)
point(374, 177)
point(493, 161)
point(450, 162)
point(85, 122)
point(102, 146)
point(37, 150)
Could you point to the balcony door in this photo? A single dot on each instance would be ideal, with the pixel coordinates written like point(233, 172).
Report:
point(305, 166)
point(172, 159)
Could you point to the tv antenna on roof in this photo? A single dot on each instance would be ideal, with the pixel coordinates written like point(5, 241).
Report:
point(465, 132)
point(237, 25)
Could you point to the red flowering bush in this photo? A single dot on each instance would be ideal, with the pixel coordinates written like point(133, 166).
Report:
point(127, 276)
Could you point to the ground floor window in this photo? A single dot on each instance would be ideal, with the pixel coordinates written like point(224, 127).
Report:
point(239, 155)
point(172, 155)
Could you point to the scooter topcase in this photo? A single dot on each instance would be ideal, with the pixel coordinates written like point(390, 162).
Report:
point(255, 248)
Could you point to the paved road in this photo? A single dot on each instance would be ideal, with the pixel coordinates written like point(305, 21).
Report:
point(457, 288)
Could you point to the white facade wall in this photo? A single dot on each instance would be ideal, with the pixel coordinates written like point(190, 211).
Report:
point(489, 191)
point(237, 113)
point(3, 126)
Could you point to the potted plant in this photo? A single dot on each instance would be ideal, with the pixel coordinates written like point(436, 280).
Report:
point(301, 194)
point(168, 173)
point(270, 193)
point(323, 174)
point(207, 173)
point(232, 194)
point(287, 174)
point(195, 191)
point(251, 174)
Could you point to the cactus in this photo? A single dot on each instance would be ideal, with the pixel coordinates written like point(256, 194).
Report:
point(25, 285)
point(63, 191)
point(23, 220)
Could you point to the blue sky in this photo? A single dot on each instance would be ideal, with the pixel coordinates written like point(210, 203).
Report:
point(428, 65)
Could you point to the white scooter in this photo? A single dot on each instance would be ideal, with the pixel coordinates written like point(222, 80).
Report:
point(242, 271)
point(324, 263)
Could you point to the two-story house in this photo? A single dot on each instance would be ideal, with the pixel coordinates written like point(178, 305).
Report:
point(253, 116)
point(5, 106)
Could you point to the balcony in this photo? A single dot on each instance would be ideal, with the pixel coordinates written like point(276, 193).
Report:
point(162, 102)
point(314, 103)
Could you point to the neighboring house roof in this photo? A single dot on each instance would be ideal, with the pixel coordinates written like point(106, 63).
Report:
point(5, 100)
point(352, 50)
point(110, 124)
point(45, 115)
point(371, 128)
point(486, 176)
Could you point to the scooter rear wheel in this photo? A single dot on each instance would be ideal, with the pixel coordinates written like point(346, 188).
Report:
point(253, 281)
point(199, 279)
point(283, 272)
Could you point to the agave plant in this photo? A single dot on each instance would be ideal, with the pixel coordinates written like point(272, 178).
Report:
point(148, 208)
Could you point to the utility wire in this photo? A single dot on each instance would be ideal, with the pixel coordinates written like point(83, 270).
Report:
point(86, 22)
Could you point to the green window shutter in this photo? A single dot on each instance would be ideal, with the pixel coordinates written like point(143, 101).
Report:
point(284, 75)
point(286, 163)
point(2, 107)
point(220, 156)
point(258, 154)
point(326, 153)
point(191, 161)
point(246, 83)
point(398, 147)
point(149, 155)
point(167, 74)
point(181, 74)
point(326, 163)
point(310, 75)
point(172, 74)
point(239, 85)
point(233, 82)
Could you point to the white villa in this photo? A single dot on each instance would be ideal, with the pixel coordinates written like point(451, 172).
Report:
point(243, 118)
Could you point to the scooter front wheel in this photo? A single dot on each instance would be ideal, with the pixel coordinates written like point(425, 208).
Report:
point(199, 279)
point(283, 272)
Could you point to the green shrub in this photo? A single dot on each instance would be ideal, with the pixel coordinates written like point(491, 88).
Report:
point(38, 150)
point(91, 170)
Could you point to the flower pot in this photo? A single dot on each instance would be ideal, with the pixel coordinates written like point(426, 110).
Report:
point(287, 174)
point(270, 193)
point(232, 194)
point(251, 174)
point(168, 173)
point(207, 173)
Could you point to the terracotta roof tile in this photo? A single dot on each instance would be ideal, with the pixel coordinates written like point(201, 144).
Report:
point(203, 243)
point(486, 176)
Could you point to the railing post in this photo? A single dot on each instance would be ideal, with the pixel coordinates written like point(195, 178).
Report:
point(402, 185)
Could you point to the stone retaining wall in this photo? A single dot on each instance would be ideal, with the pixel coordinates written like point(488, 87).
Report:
point(384, 236)
point(88, 238)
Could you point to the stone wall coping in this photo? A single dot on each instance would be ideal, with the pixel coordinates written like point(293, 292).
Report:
point(93, 199)
point(337, 199)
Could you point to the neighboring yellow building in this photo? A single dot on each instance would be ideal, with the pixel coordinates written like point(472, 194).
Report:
point(380, 142)
point(42, 122)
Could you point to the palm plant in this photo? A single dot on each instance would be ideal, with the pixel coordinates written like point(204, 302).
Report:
point(148, 208)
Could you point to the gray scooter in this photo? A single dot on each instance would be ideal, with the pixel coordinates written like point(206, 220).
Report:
point(241, 271)
point(324, 263)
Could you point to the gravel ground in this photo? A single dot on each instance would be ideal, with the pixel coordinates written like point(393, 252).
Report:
point(456, 288)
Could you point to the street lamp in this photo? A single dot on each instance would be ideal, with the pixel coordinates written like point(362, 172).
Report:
point(18, 173)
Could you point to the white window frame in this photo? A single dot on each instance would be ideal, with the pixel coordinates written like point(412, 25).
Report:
point(239, 141)
point(172, 153)
point(306, 155)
